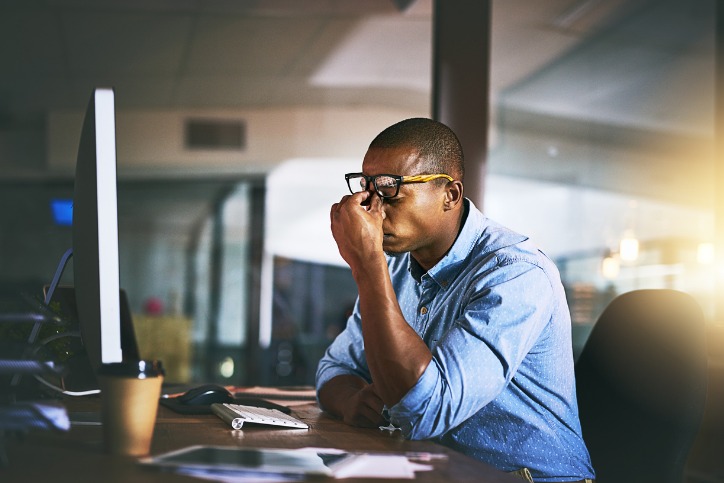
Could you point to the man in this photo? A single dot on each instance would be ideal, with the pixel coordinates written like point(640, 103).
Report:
point(461, 332)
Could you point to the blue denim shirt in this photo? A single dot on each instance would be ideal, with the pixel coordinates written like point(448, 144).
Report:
point(500, 386)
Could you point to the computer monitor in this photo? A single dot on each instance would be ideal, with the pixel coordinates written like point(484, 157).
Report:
point(96, 274)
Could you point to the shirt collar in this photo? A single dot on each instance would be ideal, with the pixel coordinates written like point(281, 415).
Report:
point(475, 226)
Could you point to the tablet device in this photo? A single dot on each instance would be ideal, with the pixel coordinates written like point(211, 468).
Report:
point(301, 462)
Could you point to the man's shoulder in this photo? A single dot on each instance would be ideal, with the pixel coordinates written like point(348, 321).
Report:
point(486, 235)
point(495, 237)
point(507, 246)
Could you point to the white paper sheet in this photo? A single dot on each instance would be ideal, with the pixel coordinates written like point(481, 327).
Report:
point(362, 465)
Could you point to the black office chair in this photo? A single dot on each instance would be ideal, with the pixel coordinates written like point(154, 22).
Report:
point(641, 380)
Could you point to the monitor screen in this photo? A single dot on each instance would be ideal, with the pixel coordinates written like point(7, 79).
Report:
point(95, 232)
point(62, 211)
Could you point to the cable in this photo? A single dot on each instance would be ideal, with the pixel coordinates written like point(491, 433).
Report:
point(51, 385)
point(65, 391)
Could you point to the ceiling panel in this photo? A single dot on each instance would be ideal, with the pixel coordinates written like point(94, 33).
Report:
point(29, 44)
point(231, 46)
point(381, 52)
point(121, 43)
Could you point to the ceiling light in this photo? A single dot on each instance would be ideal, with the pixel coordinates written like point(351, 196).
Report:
point(610, 267)
point(629, 249)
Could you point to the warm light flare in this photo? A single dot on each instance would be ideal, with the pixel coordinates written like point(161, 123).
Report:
point(610, 268)
point(629, 249)
point(705, 253)
point(226, 367)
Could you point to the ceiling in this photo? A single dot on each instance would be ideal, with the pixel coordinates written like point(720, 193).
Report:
point(206, 53)
point(241, 53)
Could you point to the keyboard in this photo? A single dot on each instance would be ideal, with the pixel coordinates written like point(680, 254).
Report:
point(238, 414)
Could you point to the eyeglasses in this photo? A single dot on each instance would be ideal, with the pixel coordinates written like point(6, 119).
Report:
point(386, 185)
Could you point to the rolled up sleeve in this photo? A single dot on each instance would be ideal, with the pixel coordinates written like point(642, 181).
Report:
point(345, 355)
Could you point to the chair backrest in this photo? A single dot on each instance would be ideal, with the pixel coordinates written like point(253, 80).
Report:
point(641, 382)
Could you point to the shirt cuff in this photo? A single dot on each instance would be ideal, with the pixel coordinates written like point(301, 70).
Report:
point(409, 411)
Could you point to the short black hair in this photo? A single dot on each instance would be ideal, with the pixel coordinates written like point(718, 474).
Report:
point(437, 145)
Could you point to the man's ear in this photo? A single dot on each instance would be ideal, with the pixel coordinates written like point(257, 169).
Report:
point(453, 194)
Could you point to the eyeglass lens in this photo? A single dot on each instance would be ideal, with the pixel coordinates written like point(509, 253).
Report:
point(385, 186)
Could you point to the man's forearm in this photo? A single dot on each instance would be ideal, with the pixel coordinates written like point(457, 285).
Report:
point(396, 355)
point(336, 392)
point(354, 401)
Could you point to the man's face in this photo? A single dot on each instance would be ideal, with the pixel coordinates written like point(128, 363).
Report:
point(412, 218)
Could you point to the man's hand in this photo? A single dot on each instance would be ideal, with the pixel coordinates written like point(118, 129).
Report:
point(364, 409)
point(357, 227)
point(353, 400)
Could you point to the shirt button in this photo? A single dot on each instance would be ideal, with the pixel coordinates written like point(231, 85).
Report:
point(423, 310)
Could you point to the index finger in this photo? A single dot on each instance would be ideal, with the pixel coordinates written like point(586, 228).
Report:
point(375, 204)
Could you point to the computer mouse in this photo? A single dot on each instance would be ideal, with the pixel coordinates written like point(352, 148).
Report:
point(205, 395)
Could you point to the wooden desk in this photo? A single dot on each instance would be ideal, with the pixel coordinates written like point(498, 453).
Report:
point(77, 456)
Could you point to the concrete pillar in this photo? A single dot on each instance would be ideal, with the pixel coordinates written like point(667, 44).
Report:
point(461, 81)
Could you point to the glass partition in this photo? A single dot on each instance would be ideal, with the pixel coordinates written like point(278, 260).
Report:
point(603, 153)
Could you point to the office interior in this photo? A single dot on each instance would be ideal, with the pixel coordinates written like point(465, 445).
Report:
point(236, 120)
